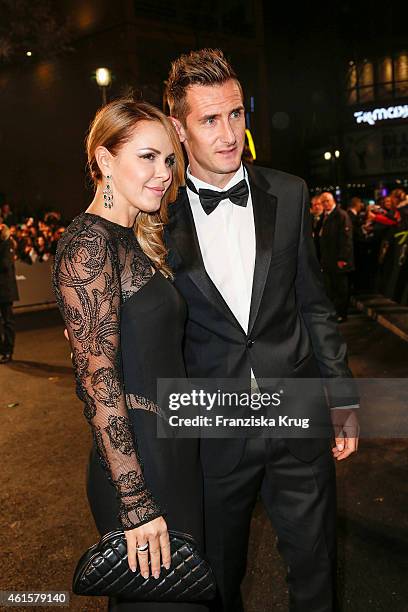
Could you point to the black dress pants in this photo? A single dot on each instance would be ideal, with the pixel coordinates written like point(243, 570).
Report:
point(300, 499)
point(7, 328)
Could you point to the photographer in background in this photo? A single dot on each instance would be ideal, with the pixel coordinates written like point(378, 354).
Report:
point(8, 294)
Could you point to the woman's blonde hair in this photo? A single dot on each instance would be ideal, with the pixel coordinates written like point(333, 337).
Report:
point(111, 128)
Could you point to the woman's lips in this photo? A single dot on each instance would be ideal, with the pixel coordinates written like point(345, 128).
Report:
point(157, 190)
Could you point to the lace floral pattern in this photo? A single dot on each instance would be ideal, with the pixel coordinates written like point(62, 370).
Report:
point(98, 266)
point(138, 401)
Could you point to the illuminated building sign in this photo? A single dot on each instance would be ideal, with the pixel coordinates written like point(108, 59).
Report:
point(382, 114)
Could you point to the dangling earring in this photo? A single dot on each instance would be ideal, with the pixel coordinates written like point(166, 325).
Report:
point(108, 193)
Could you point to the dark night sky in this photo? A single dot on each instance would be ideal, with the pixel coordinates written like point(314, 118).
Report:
point(350, 21)
point(307, 49)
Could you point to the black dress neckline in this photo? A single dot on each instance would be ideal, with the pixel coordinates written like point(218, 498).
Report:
point(125, 228)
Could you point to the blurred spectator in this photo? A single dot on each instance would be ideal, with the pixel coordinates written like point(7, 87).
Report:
point(387, 203)
point(316, 210)
point(56, 236)
point(366, 245)
point(399, 201)
point(7, 215)
point(386, 213)
point(40, 247)
point(356, 213)
point(35, 239)
point(336, 250)
point(8, 294)
point(26, 251)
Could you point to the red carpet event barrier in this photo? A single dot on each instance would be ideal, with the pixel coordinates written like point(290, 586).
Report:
point(34, 284)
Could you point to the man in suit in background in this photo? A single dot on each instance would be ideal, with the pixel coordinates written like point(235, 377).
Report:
point(241, 247)
point(316, 211)
point(336, 254)
point(355, 211)
point(8, 294)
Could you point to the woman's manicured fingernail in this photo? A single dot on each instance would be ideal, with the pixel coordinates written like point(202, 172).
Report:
point(156, 575)
point(133, 569)
point(145, 576)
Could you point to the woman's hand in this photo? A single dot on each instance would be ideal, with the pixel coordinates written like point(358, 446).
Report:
point(155, 534)
point(67, 337)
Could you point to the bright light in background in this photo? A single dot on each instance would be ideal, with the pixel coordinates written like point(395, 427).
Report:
point(381, 114)
point(251, 144)
point(327, 155)
point(103, 77)
point(337, 153)
point(28, 54)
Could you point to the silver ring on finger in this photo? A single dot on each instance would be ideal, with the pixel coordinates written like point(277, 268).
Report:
point(142, 548)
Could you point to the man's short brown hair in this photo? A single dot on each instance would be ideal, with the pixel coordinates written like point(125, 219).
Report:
point(203, 67)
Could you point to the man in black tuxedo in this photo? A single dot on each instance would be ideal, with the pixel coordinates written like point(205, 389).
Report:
point(241, 248)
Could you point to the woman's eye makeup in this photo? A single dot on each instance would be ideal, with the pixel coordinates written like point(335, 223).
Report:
point(170, 160)
point(150, 156)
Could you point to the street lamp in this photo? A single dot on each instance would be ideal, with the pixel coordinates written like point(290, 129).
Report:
point(333, 157)
point(103, 78)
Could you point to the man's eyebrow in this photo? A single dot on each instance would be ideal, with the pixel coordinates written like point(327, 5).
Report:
point(214, 115)
point(209, 116)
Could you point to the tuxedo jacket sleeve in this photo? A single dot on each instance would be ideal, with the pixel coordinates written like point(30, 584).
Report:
point(320, 318)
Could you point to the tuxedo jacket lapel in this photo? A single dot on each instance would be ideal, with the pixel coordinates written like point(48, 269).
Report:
point(264, 206)
point(183, 239)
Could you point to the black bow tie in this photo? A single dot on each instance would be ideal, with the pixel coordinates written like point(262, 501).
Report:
point(238, 194)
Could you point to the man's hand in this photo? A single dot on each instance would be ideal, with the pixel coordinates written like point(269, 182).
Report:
point(346, 432)
point(344, 448)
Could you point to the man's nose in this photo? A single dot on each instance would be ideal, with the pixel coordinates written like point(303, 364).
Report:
point(228, 135)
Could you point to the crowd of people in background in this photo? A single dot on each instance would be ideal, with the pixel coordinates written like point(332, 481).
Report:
point(33, 239)
point(354, 245)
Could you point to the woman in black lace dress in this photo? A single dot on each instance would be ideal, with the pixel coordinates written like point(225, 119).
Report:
point(125, 321)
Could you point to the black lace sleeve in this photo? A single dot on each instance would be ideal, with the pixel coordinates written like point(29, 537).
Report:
point(87, 286)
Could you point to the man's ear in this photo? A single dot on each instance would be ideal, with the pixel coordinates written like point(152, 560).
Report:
point(179, 128)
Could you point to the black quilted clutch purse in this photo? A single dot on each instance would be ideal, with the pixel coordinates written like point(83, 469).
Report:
point(104, 570)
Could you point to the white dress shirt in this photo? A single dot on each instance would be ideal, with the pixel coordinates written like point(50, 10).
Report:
point(227, 242)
